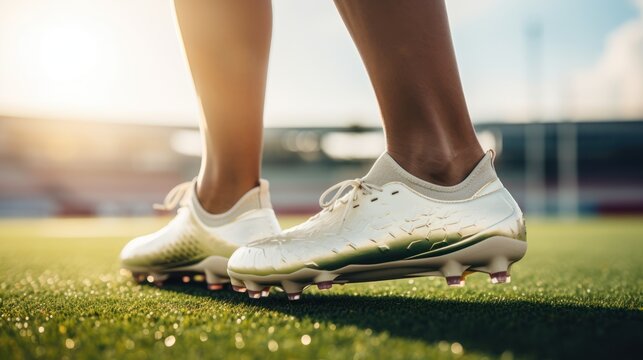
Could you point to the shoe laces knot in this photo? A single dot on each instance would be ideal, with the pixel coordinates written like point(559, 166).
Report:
point(338, 191)
point(179, 195)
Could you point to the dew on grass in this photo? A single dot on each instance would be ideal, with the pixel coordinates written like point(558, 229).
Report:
point(457, 348)
point(238, 341)
point(507, 355)
point(273, 346)
point(169, 341)
point(443, 346)
point(305, 339)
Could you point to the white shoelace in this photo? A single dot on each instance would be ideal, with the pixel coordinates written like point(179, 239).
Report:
point(179, 195)
point(357, 186)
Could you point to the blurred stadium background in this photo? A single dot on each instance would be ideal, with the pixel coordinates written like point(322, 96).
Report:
point(98, 116)
point(71, 168)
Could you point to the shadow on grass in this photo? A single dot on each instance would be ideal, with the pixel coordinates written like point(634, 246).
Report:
point(526, 329)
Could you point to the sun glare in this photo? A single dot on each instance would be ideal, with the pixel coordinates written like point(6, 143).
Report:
point(93, 60)
point(67, 55)
point(55, 61)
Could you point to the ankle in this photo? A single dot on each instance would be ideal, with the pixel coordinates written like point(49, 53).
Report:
point(445, 168)
point(217, 198)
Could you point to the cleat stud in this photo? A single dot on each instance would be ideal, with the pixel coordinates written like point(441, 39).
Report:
point(294, 296)
point(236, 282)
point(453, 272)
point(251, 285)
point(291, 287)
point(265, 292)
point(139, 277)
point(185, 279)
point(254, 294)
point(212, 278)
point(239, 289)
point(157, 279)
point(215, 287)
point(497, 266)
point(324, 285)
point(455, 281)
point(501, 277)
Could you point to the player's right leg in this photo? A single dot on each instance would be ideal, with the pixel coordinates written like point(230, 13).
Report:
point(227, 45)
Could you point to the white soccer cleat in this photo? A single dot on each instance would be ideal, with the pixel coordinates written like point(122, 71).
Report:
point(187, 246)
point(368, 232)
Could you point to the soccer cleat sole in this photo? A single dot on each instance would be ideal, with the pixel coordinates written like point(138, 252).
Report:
point(211, 270)
point(493, 256)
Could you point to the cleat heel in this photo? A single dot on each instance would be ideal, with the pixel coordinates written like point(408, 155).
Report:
point(265, 292)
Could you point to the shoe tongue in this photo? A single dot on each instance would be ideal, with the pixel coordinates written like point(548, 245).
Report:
point(384, 170)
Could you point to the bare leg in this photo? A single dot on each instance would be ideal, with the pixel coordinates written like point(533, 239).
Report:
point(406, 47)
point(227, 43)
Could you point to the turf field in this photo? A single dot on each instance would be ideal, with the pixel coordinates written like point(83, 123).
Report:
point(577, 294)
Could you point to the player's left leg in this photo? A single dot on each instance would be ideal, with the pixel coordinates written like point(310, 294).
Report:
point(407, 50)
point(431, 205)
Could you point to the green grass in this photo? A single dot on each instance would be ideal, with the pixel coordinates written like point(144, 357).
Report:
point(578, 293)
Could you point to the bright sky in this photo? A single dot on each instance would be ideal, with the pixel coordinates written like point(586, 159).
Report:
point(121, 60)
